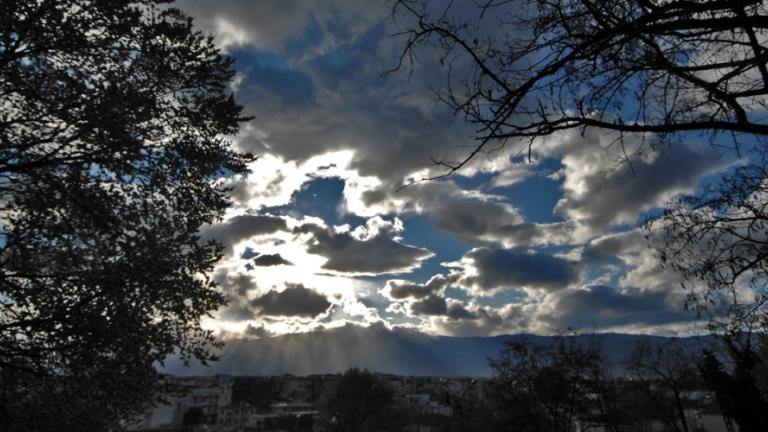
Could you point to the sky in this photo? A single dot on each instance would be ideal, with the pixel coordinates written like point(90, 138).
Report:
point(322, 233)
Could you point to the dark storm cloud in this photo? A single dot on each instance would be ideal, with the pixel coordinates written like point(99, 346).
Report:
point(435, 305)
point(293, 301)
point(403, 289)
point(375, 255)
point(242, 227)
point(604, 306)
point(432, 305)
point(474, 219)
point(392, 124)
point(388, 145)
point(482, 321)
point(268, 260)
point(457, 311)
point(503, 268)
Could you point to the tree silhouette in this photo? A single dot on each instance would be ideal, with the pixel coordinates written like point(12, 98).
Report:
point(662, 372)
point(359, 402)
point(112, 131)
point(736, 389)
point(554, 385)
point(718, 237)
point(521, 69)
point(193, 417)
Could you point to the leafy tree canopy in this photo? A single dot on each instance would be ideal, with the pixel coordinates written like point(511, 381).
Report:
point(112, 132)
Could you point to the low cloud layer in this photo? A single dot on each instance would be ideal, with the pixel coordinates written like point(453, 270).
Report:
point(604, 307)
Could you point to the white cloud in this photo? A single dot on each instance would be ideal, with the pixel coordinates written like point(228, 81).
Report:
point(603, 188)
point(271, 24)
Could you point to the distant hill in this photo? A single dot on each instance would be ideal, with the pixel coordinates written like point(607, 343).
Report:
point(376, 348)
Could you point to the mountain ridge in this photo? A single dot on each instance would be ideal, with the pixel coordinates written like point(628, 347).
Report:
point(379, 349)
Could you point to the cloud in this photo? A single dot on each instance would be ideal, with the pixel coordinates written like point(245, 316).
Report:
point(613, 245)
point(439, 306)
point(457, 311)
point(342, 49)
point(242, 227)
point(474, 219)
point(235, 284)
point(400, 289)
point(294, 301)
point(236, 287)
point(641, 265)
point(371, 250)
point(603, 189)
point(536, 234)
point(490, 269)
point(436, 305)
point(432, 305)
point(482, 321)
point(236, 312)
point(271, 24)
point(256, 332)
point(473, 216)
point(309, 72)
point(604, 307)
point(268, 260)
point(597, 307)
point(264, 24)
point(513, 174)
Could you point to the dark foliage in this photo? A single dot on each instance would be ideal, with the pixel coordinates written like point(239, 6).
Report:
point(359, 402)
point(257, 391)
point(111, 133)
point(193, 417)
point(662, 373)
point(564, 386)
point(736, 387)
point(555, 386)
